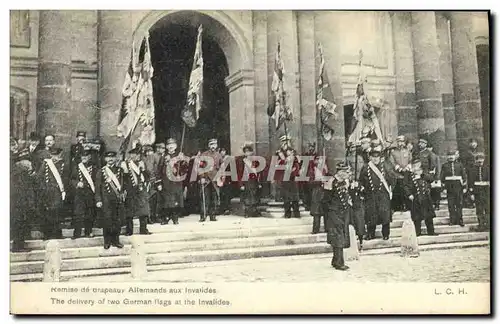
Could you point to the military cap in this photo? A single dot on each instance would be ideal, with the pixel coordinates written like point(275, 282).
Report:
point(285, 138)
point(110, 154)
point(479, 155)
point(342, 166)
point(212, 141)
point(55, 151)
point(422, 140)
point(81, 133)
point(248, 146)
point(171, 141)
point(376, 151)
point(401, 138)
point(87, 151)
point(158, 145)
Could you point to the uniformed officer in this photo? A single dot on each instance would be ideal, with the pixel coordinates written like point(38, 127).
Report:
point(316, 176)
point(172, 167)
point(435, 183)
point(375, 179)
point(22, 203)
point(289, 186)
point(418, 191)
point(249, 181)
point(400, 158)
point(110, 197)
point(150, 161)
point(83, 178)
point(209, 191)
point(338, 204)
point(357, 193)
point(479, 184)
point(137, 186)
point(424, 155)
point(468, 161)
point(307, 186)
point(52, 183)
point(77, 149)
point(454, 177)
point(44, 153)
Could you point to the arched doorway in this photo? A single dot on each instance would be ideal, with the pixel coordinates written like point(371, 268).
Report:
point(228, 111)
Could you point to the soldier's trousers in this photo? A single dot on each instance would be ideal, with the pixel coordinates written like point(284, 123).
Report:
point(19, 232)
point(307, 195)
point(429, 224)
point(143, 223)
point(111, 225)
point(338, 257)
point(225, 198)
point(436, 196)
point(317, 223)
point(289, 206)
point(482, 199)
point(208, 194)
point(399, 200)
point(386, 230)
point(153, 203)
point(455, 205)
point(51, 223)
point(170, 214)
point(84, 215)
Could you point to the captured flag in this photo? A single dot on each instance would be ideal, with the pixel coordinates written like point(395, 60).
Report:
point(191, 111)
point(278, 109)
point(324, 101)
point(137, 114)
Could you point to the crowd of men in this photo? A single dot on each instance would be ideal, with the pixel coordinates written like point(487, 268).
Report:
point(108, 190)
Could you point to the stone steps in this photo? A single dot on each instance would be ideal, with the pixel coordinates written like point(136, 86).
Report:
point(165, 261)
point(79, 258)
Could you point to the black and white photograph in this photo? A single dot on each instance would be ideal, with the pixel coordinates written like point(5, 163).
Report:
point(152, 149)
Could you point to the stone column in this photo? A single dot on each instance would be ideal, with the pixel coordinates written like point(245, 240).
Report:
point(115, 31)
point(443, 34)
point(282, 27)
point(465, 80)
point(426, 63)
point(54, 76)
point(406, 103)
point(327, 31)
point(307, 69)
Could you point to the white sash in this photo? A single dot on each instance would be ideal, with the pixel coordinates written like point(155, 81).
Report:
point(381, 177)
point(87, 176)
point(481, 183)
point(136, 171)
point(57, 176)
point(113, 177)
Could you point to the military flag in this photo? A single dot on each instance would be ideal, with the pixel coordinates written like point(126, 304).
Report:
point(278, 108)
point(137, 114)
point(365, 120)
point(191, 111)
point(324, 101)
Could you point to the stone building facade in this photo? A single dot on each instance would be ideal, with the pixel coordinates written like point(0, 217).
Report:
point(432, 69)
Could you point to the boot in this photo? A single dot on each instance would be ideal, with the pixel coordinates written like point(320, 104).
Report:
point(77, 233)
point(175, 218)
point(360, 238)
point(213, 218)
point(288, 211)
point(316, 224)
point(143, 223)
point(295, 207)
point(116, 242)
point(130, 227)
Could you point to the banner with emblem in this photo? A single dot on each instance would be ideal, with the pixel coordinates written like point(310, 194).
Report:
point(325, 101)
point(137, 114)
point(278, 108)
point(194, 102)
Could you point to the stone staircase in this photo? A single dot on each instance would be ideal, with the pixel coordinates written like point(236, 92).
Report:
point(230, 238)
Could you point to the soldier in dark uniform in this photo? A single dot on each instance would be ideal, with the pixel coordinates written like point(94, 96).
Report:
point(110, 197)
point(400, 158)
point(172, 167)
point(337, 202)
point(52, 183)
point(356, 190)
point(435, 184)
point(417, 189)
point(425, 157)
point(249, 181)
point(226, 188)
point(468, 161)
point(77, 149)
point(375, 179)
point(307, 186)
point(44, 153)
point(137, 186)
point(209, 187)
point(290, 187)
point(316, 174)
point(454, 177)
point(479, 184)
point(22, 199)
point(83, 177)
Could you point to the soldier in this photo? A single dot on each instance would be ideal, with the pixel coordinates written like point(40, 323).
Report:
point(249, 181)
point(52, 178)
point(316, 174)
point(307, 187)
point(479, 184)
point(137, 186)
point(83, 177)
point(337, 202)
point(150, 162)
point(209, 188)
point(418, 190)
point(424, 155)
point(290, 187)
point(468, 161)
point(172, 167)
point(435, 183)
point(44, 153)
point(225, 189)
point(454, 177)
point(356, 190)
point(110, 197)
point(77, 149)
point(22, 200)
point(376, 182)
point(400, 158)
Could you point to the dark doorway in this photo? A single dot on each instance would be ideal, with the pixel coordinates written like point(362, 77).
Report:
point(172, 51)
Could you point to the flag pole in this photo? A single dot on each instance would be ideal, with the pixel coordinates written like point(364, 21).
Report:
point(183, 133)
